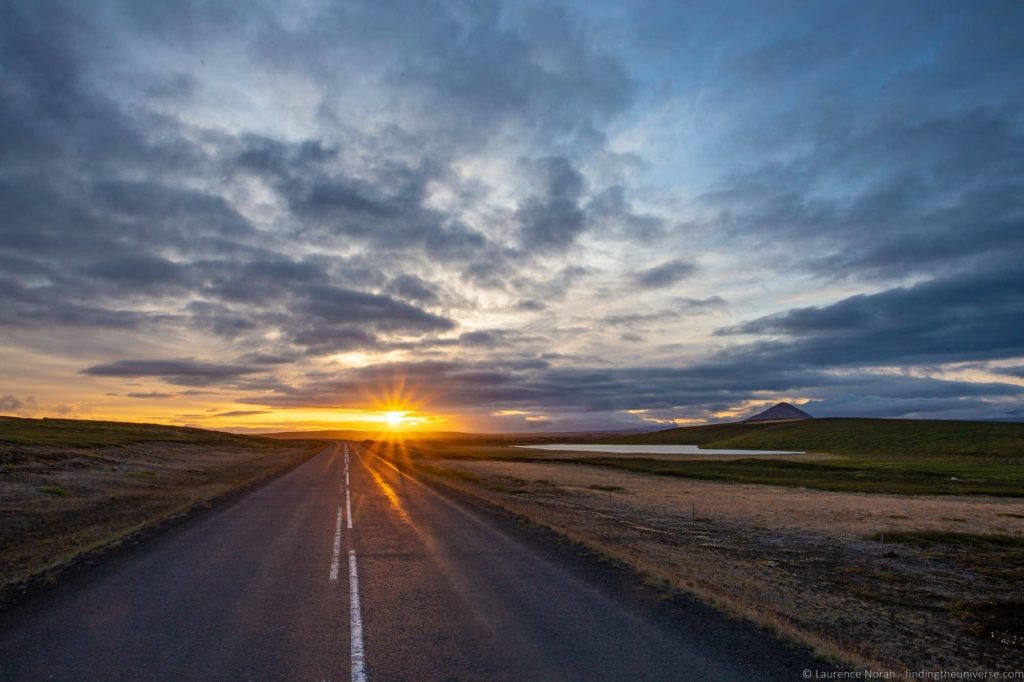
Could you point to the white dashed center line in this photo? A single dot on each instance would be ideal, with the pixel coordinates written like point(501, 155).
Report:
point(355, 612)
point(358, 655)
point(348, 509)
point(336, 558)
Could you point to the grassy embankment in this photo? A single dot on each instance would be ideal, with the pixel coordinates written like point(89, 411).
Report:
point(69, 488)
point(875, 455)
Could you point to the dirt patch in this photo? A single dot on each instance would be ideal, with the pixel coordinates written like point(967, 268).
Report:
point(813, 566)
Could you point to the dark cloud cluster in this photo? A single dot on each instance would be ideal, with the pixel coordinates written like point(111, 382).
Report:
point(552, 218)
point(665, 274)
point(13, 404)
point(413, 288)
point(183, 372)
point(972, 315)
point(613, 214)
point(681, 307)
point(529, 305)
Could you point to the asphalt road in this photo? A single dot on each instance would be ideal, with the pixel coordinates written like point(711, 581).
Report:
point(345, 568)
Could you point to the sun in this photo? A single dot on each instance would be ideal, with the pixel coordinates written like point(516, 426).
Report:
point(396, 407)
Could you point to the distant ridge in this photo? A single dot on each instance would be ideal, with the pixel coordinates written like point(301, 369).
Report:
point(782, 412)
point(450, 435)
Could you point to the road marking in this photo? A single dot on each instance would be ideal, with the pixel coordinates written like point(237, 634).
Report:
point(345, 445)
point(348, 508)
point(358, 655)
point(336, 558)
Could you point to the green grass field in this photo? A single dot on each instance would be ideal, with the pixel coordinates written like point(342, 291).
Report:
point(900, 456)
point(892, 437)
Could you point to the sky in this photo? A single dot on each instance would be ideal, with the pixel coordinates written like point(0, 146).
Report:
point(510, 216)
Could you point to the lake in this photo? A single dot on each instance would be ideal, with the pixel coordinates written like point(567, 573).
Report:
point(655, 450)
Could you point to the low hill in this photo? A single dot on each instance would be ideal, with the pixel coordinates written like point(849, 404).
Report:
point(343, 434)
point(843, 436)
point(83, 433)
point(454, 436)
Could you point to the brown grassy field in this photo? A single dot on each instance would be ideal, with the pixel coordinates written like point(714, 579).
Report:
point(892, 582)
point(72, 488)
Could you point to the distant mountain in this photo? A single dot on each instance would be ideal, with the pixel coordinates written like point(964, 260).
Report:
point(782, 412)
point(345, 434)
